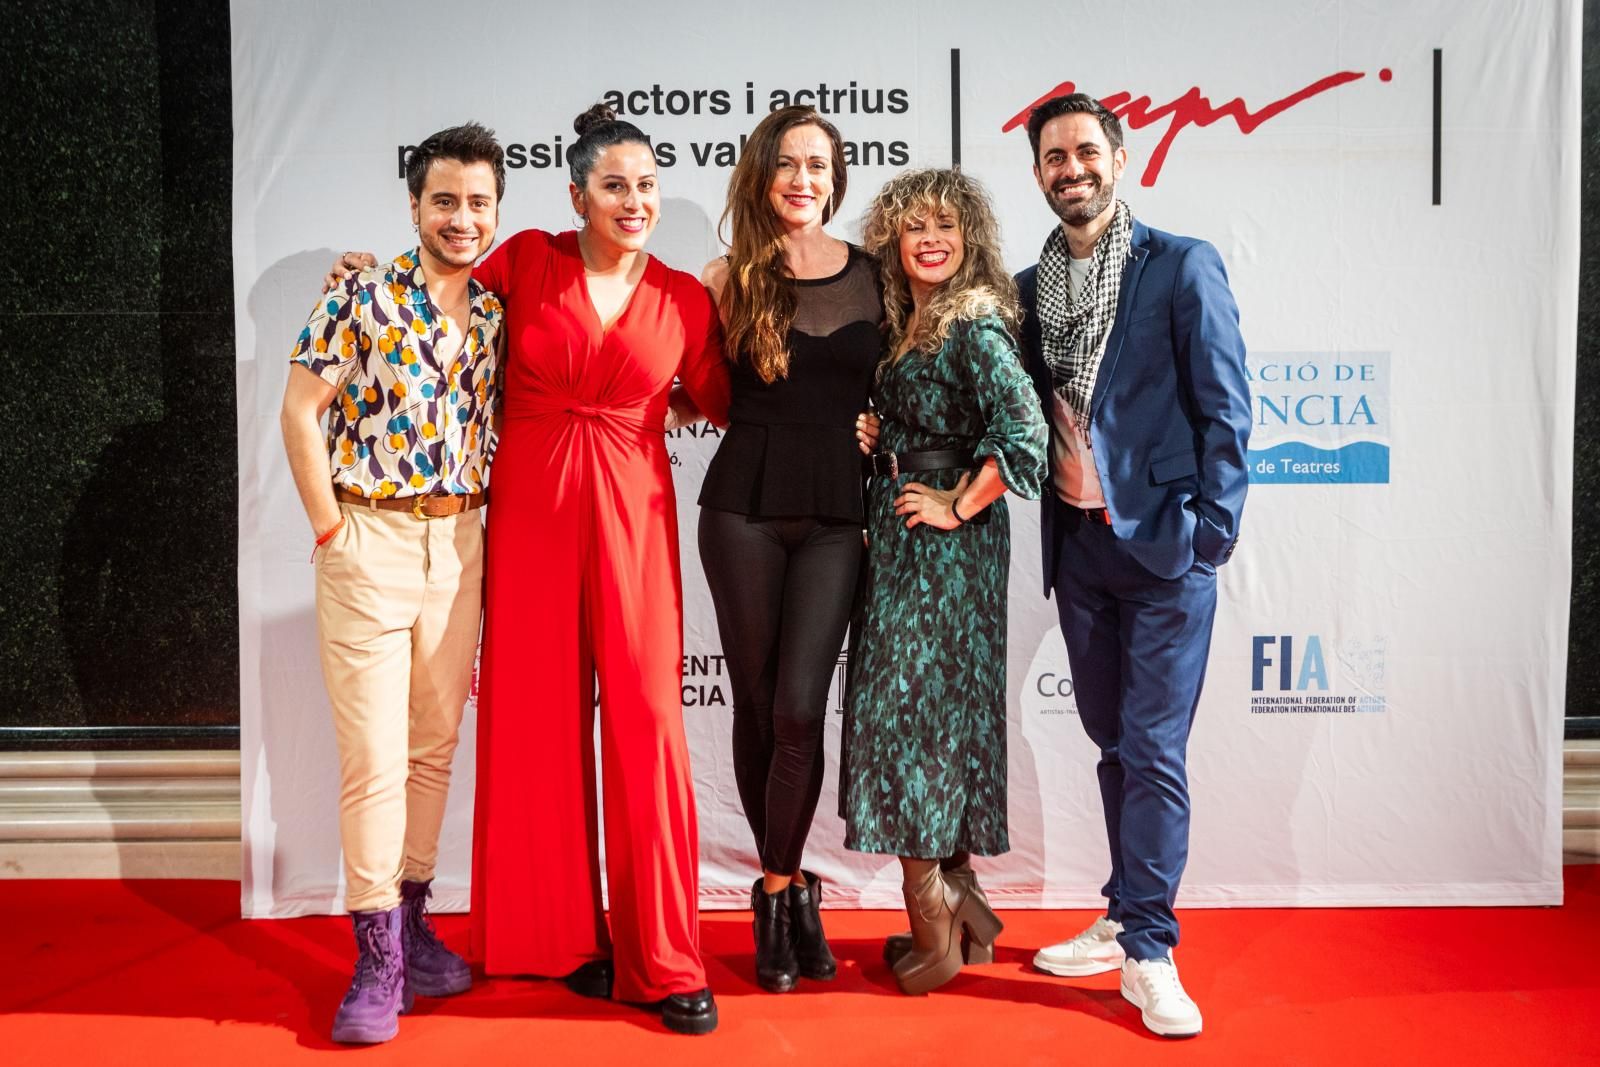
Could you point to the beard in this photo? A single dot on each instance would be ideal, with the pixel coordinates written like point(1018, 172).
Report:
point(442, 252)
point(1081, 212)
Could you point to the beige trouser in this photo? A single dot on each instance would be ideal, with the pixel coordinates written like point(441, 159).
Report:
point(399, 602)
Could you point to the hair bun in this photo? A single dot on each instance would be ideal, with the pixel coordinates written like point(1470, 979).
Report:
point(595, 116)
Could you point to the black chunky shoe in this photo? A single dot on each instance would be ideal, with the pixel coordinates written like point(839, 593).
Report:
point(592, 979)
point(690, 1013)
point(776, 966)
point(814, 957)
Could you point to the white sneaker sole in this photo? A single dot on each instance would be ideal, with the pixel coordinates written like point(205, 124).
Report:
point(1075, 968)
point(1154, 1025)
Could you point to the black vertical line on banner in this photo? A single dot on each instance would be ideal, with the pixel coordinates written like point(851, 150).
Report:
point(1438, 97)
point(955, 107)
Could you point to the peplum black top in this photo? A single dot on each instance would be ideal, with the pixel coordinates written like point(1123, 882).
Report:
point(790, 447)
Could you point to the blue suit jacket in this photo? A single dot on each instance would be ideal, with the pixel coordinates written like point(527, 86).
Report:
point(1169, 421)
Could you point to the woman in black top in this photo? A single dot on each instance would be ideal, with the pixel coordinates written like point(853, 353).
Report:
point(781, 511)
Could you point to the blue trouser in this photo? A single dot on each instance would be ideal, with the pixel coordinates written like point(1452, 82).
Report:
point(1137, 645)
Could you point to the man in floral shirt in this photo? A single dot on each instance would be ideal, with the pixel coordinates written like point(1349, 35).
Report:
point(404, 356)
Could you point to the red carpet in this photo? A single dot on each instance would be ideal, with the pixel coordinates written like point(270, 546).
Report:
point(164, 973)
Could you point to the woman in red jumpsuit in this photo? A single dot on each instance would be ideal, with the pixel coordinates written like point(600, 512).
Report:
point(583, 580)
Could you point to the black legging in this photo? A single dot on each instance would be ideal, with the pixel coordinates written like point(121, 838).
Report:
point(783, 590)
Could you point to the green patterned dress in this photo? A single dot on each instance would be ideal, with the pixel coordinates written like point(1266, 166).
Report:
point(923, 763)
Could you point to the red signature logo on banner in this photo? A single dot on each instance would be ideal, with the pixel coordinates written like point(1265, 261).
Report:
point(1193, 108)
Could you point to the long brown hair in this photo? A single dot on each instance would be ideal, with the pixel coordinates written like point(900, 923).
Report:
point(757, 306)
point(980, 286)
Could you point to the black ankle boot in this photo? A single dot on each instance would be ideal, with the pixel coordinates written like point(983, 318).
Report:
point(811, 949)
point(776, 966)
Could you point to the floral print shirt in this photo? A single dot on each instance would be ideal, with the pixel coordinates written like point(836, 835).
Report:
point(402, 424)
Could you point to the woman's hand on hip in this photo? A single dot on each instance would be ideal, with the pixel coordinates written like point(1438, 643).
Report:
point(924, 505)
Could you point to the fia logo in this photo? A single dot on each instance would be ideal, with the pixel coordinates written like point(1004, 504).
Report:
point(1279, 651)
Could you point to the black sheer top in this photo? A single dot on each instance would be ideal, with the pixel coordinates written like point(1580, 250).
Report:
point(790, 449)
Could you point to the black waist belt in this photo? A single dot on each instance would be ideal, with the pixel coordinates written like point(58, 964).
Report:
point(1097, 516)
point(894, 464)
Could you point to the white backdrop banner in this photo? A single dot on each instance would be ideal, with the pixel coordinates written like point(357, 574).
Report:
point(1394, 190)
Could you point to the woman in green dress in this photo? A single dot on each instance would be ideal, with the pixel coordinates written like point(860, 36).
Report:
point(924, 763)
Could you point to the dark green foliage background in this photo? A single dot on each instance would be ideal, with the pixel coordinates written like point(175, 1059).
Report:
point(1583, 658)
point(116, 319)
point(116, 309)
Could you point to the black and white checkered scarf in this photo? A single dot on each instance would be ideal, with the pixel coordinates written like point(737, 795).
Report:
point(1074, 332)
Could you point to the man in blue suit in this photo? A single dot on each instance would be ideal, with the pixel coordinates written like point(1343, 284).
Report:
point(1132, 338)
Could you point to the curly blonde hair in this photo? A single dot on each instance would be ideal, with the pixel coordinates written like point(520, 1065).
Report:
point(981, 285)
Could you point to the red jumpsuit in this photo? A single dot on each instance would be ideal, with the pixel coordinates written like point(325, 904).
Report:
point(583, 580)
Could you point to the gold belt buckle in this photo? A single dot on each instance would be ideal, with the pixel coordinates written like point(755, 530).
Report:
point(416, 508)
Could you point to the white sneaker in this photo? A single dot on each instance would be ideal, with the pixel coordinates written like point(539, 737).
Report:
point(1152, 986)
point(1094, 951)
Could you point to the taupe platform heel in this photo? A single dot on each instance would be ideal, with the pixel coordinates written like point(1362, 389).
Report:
point(972, 951)
point(938, 911)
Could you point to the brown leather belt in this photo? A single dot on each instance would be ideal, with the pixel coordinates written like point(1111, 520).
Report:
point(431, 506)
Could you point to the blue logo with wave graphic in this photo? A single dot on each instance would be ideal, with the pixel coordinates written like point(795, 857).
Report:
point(1295, 462)
point(1319, 418)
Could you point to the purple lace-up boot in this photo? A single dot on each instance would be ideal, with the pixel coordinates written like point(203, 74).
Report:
point(378, 994)
point(431, 969)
